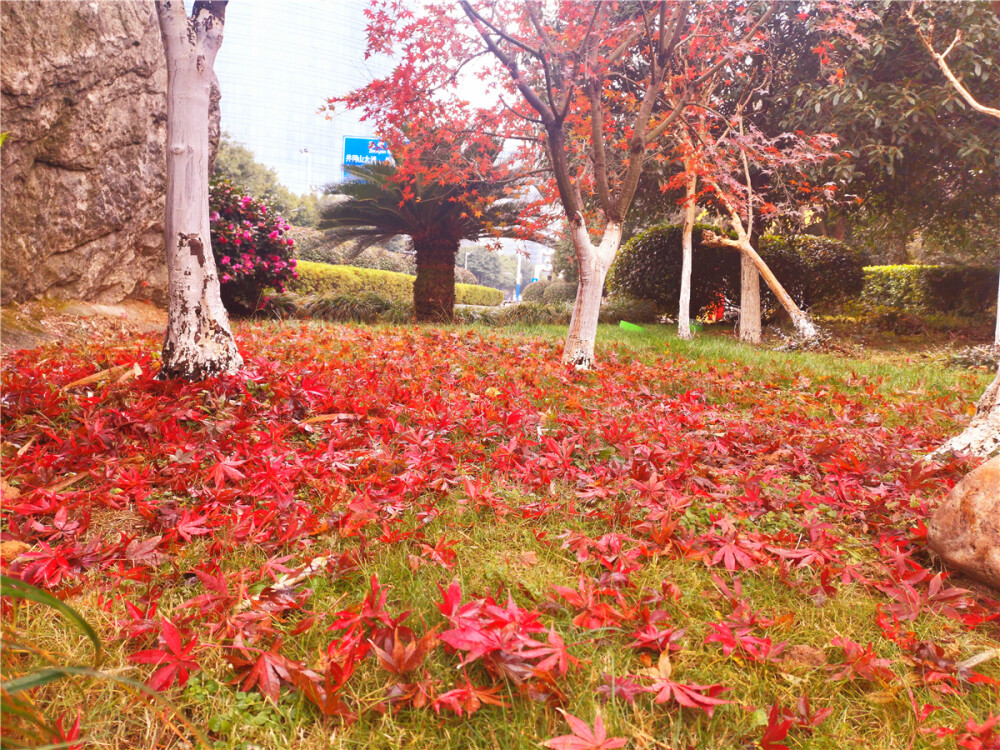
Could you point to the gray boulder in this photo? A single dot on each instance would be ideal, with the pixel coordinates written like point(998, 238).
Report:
point(83, 95)
point(965, 528)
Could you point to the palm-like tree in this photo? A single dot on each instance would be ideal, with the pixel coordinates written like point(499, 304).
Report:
point(436, 216)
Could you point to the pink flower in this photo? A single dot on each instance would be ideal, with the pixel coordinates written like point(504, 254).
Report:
point(273, 235)
point(225, 260)
point(225, 277)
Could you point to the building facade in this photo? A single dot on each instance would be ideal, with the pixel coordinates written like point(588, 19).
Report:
point(279, 63)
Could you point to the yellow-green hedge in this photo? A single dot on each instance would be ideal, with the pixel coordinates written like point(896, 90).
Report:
point(322, 278)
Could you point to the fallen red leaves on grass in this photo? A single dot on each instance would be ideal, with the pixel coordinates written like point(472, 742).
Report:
point(337, 442)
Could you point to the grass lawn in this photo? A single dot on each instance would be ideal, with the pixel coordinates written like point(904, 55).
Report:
point(395, 537)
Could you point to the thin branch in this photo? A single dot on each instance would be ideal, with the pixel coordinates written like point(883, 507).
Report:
point(597, 136)
point(500, 31)
point(678, 22)
point(535, 101)
point(746, 37)
point(946, 69)
point(547, 43)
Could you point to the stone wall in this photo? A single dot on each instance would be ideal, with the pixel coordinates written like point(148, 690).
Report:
point(83, 98)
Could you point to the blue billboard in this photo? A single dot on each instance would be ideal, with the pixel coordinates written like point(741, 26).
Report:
point(364, 150)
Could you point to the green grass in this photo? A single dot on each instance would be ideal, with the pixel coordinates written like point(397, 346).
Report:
point(715, 346)
point(522, 557)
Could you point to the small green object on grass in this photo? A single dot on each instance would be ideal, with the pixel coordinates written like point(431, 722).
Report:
point(631, 326)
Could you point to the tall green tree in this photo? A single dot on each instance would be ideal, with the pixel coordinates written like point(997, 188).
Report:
point(237, 163)
point(381, 203)
point(921, 159)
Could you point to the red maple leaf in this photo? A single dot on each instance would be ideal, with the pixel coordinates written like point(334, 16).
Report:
point(174, 655)
point(266, 672)
point(468, 699)
point(583, 737)
point(556, 653)
point(224, 470)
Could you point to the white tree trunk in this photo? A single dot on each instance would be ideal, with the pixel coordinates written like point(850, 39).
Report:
point(982, 436)
point(996, 333)
point(800, 320)
point(684, 313)
point(594, 264)
point(749, 301)
point(199, 343)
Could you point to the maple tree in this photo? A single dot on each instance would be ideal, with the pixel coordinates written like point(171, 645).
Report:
point(198, 341)
point(598, 91)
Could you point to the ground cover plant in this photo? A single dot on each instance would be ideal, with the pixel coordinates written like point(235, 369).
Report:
point(422, 537)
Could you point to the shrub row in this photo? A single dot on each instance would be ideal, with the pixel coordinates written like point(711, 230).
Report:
point(812, 269)
point(964, 290)
point(313, 247)
point(324, 279)
point(368, 307)
point(613, 310)
point(533, 292)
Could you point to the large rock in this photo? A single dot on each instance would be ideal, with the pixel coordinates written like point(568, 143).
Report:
point(83, 95)
point(965, 529)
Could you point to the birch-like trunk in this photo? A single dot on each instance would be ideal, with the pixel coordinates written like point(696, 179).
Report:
point(996, 333)
point(687, 246)
point(982, 436)
point(803, 325)
point(749, 301)
point(594, 265)
point(199, 343)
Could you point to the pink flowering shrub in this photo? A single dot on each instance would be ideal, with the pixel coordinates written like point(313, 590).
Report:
point(253, 251)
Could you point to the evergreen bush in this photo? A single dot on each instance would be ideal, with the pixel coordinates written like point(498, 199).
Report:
point(962, 290)
point(559, 293)
point(533, 292)
point(812, 269)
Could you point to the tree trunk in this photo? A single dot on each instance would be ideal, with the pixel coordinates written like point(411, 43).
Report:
point(594, 263)
point(800, 320)
point(434, 288)
point(684, 313)
point(982, 436)
point(996, 333)
point(749, 301)
point(199, 343)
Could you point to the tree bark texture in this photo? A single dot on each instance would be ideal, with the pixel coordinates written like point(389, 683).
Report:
point(199, 343)
point(684, 313)
point(594, 264)
point(982, 436)
point(749, 301)
point(434, 287)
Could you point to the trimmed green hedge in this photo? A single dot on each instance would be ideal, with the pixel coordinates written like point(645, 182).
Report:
point(324, 279)
point(559, 292)
point(473, 294)
point(534, 291)
point(812, 269)
point(966, 290)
